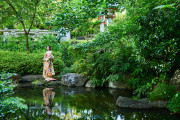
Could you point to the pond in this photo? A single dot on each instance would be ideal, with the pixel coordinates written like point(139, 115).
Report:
point(68, 103)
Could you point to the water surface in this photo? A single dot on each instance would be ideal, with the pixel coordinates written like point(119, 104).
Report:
point(81, 103)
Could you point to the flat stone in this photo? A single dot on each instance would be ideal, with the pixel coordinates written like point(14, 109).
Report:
point(31, 78)
point(142, 103)
point(73, 79)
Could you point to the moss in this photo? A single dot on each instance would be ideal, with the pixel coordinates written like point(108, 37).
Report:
point(38, 82)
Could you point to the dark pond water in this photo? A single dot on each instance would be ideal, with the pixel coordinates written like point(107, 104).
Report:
point(63, 103)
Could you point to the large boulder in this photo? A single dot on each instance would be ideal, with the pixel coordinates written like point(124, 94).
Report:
point(142, 103)
point(175, 80)
point(117, 84)
point(73, 79)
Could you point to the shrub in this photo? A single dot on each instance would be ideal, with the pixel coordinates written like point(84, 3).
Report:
point(174, 103)
point(22, 63)
point(9, 104)
point(66, 54)
point(162, 92)
point(65, 70)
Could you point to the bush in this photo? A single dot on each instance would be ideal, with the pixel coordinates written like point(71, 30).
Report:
point(174, 103)
point(66, 54)
point(22, 63)
point(162, 92)
point(9, 104)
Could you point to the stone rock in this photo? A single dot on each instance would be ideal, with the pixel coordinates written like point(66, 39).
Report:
point(73, 79)
point(117, 84)
point(31, 78)
point(89, 84)
point(175, 80)
point(142, 103)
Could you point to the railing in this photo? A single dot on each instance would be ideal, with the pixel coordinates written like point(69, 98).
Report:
point(33, 33)
point(39, 33)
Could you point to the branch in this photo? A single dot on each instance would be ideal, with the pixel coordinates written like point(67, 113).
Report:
point(32, 19)
point(9, 3)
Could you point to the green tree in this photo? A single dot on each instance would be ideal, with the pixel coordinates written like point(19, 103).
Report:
point(24, 11)
point(71, 14)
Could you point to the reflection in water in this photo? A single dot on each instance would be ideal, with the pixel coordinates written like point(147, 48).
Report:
point(48, 96)
point(81, 103)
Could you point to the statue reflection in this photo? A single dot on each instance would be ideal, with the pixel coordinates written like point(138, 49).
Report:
point(48, 96)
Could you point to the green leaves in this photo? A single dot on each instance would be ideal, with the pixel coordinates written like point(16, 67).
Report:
point(174, 103)
point(162, 92)
point(9, 104)
point(165, 6)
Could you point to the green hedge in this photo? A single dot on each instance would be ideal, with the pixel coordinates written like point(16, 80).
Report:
point(22, 63)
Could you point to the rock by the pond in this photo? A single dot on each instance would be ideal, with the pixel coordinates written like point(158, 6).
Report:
point(31, 78)
point(73, 79)
point(117, 84)
point(89, 84)
point(175, 80)
point(142, 103)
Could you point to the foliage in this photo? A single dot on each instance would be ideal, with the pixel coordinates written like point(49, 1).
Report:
point(22, 63)
point(154, 31)
point(143, 42)
point(5, 76)
point(44, 12)
point(79, 15)
point(162, 92)
point(66, 55)
point(35, 44)
point(65, 70)
point(138, 42)
point(9, 104)
point(21, 11)
point(174, 103)
point(102, 65)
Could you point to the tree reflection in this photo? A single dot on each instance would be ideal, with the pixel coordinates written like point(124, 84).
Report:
point(48, 96)
point(79, 103)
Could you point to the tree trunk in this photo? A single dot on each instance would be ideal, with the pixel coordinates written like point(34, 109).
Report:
point(27, 43)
